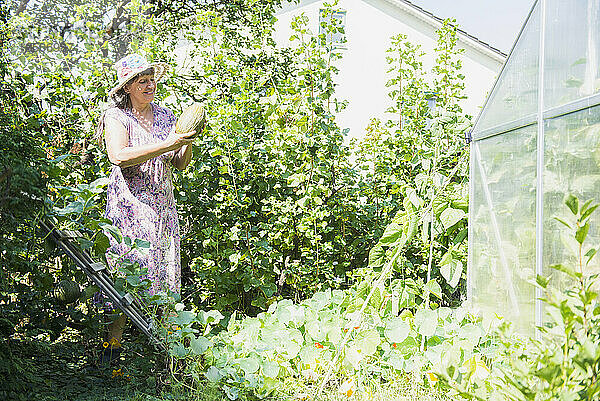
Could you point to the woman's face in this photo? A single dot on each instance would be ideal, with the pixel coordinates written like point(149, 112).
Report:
point(142, 89)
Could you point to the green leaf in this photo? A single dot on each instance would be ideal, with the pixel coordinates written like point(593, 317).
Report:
point(237, 126)
point(113, 231)
point(143, 244)
point(582, 233)
point(396, 330)
point(367, 341)
point(210, 317)
point(573, 83)
point(101, 244)
point(316, 330)
point(99, 182)
point(184, 318)
point(269, 289)
point(408, 347)
point(426, 322)
point(271, 369)
point(74, 207)
point(584, 207)
point(178, 351)
point(85, 243)
point(216, 152)
point(572, 203)
point(396, 361)
point(566, 270)
point(586, 214)
point(433, 287)
point(562, 221)
point(590, 254)
point(133, 280)
point(248, 365)
point(376, 256)
point(450, 217)
point(392, 232)
point(460, 236)
point(451, 271)
point(542, 281)
point(200, 344)
point(376, 299)
point(213, 374)
point(295, 180)
point(588, 296)
point(412, 196)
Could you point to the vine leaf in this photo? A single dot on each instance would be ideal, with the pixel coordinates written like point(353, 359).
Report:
point(450, 217)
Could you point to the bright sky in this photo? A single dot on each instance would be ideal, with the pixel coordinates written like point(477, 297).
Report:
point(495, 22)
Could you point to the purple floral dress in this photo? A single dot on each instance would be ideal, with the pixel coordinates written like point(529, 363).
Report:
point(141, 204)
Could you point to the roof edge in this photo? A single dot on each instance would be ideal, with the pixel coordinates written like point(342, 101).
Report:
point(464, 36)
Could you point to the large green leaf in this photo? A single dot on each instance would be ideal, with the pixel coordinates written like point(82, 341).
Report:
point(572, 203)
point(183, 318)
point(315, 330)
point(582, 232)
point(249, 365)
point(426, 321)
point(396, 330)
point(450, 217)
point(392, 232)
point(367, 341)
point(408, 347)
point(376, 298)
point(200, 344)
point(178, 350)
point(396, 361)
point(271, 369)
point(451, 270)
point(434, 288)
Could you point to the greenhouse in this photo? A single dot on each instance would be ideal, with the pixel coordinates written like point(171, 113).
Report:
point(536, 141)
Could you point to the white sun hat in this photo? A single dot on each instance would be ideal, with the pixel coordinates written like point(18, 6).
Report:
point(131, 65)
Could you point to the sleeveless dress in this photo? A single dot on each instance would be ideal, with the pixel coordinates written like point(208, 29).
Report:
point(141, 204)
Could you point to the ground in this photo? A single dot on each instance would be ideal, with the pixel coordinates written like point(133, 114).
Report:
point(68, 369)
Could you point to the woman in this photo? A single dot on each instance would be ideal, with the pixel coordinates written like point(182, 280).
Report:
point(143, 147)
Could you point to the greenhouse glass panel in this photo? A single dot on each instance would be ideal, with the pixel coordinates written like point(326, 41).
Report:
point(571, 166)
point(572, 45)
point(515, 94)
point(503, 217)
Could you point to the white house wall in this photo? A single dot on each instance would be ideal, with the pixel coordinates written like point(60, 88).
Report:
point(369, 26)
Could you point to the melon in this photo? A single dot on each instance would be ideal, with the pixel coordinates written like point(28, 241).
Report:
point(67, 291)
point(192, 119)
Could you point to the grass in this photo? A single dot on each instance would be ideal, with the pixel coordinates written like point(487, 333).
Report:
point(68, 370)
point(396, 391)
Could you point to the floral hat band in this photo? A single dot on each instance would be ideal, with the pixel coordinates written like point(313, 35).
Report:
point(131, 65)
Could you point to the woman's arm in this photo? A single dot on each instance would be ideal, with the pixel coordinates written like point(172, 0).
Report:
point(182, 157)
point(123, 155)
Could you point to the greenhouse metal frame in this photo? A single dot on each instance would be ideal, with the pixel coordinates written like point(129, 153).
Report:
point(536, 140)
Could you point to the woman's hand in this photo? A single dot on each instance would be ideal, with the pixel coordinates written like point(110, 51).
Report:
point(175, 141)
point(183, 154)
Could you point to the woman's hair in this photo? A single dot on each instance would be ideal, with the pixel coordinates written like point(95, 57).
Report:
point(121, 100)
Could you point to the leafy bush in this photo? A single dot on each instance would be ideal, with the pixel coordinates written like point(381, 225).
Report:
point(419, 152)
point(379, 330)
